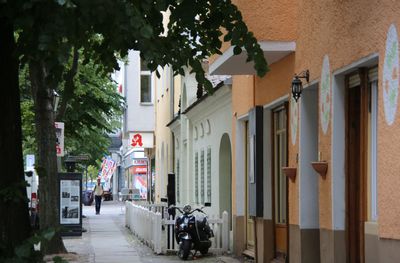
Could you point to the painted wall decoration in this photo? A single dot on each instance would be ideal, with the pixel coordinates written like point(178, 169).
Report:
point(294, 119)
point(325, 95)
point(391, 75)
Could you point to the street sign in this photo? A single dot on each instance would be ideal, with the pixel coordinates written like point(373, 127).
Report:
point(77, 158)
point(59, 138)
point(30, 162)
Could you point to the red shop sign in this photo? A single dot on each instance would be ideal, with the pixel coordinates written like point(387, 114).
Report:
point(140, 169)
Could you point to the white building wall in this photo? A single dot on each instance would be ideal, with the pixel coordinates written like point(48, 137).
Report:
point(219, 125)
point(140, 117)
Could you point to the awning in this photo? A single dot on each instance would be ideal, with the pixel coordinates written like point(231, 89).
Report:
point(229, 64)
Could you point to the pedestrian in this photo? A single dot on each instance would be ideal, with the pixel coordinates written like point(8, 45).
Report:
point(98, 194)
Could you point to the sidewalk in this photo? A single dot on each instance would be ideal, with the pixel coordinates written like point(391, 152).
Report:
point(108, 241)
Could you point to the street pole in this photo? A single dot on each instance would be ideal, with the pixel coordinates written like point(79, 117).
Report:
point(86, 175)
point(59, 164)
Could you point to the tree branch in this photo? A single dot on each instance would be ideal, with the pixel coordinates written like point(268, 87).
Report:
point(69, 86)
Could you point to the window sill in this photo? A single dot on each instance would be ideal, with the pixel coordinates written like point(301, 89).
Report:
point(146, 104)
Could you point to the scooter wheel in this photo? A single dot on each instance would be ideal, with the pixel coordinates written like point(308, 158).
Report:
point(184, 249)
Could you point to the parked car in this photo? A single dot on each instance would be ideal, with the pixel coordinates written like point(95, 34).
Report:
point(107, 195)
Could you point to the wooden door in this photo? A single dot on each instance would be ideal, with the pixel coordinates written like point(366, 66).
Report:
point(356, 155)
point(280, 193)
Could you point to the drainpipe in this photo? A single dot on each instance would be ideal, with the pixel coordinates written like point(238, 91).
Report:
point(255, 218)
point(254, 90)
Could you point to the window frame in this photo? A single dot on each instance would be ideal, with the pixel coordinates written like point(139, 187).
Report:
point(148, 73)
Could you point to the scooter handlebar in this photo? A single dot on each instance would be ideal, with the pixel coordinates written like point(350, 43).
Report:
point(191, 212)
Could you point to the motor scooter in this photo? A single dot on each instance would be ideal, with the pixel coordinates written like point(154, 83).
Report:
point(192, 232)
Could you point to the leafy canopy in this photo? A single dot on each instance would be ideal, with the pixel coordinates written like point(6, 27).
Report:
point(106, 29)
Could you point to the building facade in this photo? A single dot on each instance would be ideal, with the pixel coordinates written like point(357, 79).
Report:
point(137, 84)
point(339, 139)
point(167, 86)
point(202, 147)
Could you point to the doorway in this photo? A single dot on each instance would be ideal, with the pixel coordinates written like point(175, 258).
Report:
point(225, 177)
point(279, 180)
point(250, 241)
point(357, 105)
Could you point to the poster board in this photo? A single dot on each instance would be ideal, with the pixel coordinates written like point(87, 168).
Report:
point(70, 203)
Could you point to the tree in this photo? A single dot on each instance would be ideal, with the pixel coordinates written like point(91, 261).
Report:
point(14, 224)
point(48, 30)
point(92, 110)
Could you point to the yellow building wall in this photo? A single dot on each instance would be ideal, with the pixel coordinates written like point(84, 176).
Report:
point(163, 138)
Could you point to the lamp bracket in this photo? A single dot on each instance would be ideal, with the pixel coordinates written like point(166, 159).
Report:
point(305, 74)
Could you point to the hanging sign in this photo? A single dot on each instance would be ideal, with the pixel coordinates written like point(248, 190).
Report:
point(108, 167)
point(141, 140)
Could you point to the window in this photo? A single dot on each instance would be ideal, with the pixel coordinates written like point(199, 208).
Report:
point(202, 176)
point(209, 174)
point(196, 177)
point(280, 160)
point(145, 83)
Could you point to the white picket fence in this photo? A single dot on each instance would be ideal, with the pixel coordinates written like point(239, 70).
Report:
point(153, 226)
point(146, 225)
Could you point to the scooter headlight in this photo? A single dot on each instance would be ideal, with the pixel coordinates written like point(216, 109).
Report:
point(187, 209)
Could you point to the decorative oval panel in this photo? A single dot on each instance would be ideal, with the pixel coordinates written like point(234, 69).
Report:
point(391, 75)
point(325, 95)
point(294, 119)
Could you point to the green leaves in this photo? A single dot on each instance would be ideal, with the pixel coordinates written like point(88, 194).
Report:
point(25, 252)
point(237, 50)
point(146, 31)
point(48, 29)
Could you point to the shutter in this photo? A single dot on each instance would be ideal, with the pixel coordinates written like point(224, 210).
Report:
point(209, 174)
point(202, 176)
point(373, 74)
point(354, 80)
point(178, 199)
point(196, 177)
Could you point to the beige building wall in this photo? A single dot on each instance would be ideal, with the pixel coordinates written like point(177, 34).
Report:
point(166, 88)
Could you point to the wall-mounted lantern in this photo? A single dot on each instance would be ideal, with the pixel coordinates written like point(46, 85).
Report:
point(297, 85)
point(56, 99)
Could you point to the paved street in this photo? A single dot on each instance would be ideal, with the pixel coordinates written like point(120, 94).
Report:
point(107, 240)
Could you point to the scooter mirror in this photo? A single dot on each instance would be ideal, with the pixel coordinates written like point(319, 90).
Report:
point(207, 204)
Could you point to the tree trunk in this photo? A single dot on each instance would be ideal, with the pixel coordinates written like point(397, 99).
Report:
point(46, 165)
point(14, 213)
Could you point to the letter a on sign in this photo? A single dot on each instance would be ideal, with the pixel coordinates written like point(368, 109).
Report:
point(137, 140)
